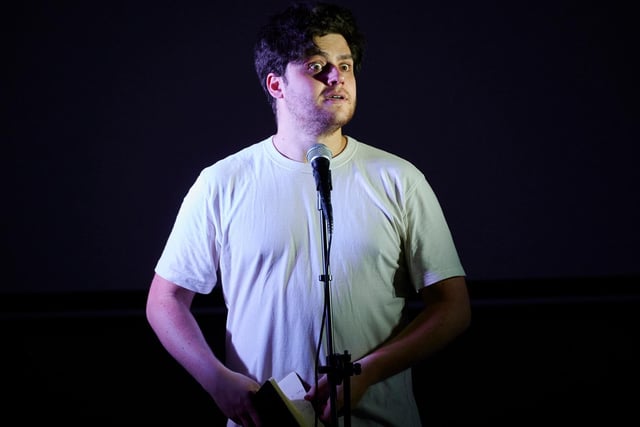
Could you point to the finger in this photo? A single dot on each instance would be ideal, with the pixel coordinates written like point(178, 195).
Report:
point(254, 417)
point(246, 421)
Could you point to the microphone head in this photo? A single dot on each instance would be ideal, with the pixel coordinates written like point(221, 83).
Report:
point(318, 150)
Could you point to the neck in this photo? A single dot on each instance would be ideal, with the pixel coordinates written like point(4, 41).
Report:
point(295, 147)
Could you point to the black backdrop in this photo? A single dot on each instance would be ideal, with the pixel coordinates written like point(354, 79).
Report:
point(523, 115)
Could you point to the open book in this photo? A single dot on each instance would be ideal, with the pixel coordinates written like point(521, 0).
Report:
point(281, 403)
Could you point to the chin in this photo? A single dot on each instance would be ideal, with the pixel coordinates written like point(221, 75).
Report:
point(342, 120)
point(344, 113)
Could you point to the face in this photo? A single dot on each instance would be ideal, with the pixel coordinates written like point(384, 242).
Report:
point(319, 93)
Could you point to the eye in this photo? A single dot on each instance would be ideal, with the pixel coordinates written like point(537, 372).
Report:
point(315, 67)
point(345, 67)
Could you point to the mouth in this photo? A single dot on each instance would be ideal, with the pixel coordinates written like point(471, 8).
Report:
point(335, 96)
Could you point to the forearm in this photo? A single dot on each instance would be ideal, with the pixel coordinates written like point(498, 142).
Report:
point(443, 318)
point(177, 330)
point(169, 314)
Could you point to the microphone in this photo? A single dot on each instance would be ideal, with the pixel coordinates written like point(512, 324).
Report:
point(319, 156)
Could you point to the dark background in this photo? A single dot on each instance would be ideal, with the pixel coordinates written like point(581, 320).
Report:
point(522, 115)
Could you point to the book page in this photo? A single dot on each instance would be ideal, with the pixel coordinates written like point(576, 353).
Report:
point(292, 387)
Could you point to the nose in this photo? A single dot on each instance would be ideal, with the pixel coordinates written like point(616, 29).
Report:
point(334, 76)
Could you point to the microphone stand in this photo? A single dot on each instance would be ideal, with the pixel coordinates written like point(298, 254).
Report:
point(339, 367)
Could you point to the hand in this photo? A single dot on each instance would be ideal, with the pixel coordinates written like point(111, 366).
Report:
point(233, 393)
point(320, 396)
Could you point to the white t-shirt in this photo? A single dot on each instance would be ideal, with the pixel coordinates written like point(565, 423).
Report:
point(253, 219)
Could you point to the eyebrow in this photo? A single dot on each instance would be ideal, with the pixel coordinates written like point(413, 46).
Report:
point(345, 56)
point(326, 55)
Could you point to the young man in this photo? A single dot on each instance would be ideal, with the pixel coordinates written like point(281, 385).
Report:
point(389, 241)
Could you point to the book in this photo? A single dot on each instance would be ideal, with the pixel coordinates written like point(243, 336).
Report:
point(281, 403)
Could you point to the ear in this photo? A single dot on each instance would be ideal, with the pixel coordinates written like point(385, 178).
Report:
point(274, 85)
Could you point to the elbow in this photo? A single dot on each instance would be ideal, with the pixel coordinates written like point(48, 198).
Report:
point(462, 301)
point(465, 319)
point(154, 302)
point(464, 315)
point(151, 310)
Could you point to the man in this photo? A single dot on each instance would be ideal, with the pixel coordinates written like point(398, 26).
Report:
point(389, 241)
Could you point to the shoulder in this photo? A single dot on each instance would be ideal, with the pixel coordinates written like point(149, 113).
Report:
point(232, 171)
point(238, 162)
point(384, 162)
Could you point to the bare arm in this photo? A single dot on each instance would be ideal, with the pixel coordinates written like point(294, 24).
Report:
point(446, 314)
point(169, 313)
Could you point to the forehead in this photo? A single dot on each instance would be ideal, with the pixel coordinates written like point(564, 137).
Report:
point(333, 46)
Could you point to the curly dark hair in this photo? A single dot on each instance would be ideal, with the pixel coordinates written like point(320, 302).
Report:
point(289, 37)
